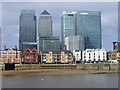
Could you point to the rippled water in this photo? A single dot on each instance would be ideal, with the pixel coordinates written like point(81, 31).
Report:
point(60, 81)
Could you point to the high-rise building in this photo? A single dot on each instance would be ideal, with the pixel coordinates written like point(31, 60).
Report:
point(45, 39)
point(49, 43)
point(89, 26)
point(82, 23)
point(68, 26)
point(45, 24)
point(27, 28)
point(74, 43)
point(0, 38)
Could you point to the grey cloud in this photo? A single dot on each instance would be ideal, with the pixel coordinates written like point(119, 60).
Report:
point(11, 12)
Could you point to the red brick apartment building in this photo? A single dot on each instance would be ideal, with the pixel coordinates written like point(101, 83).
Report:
point(10, 55)
point(30, 56)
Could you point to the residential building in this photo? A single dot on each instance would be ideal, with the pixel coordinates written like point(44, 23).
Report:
point(48, 43)
point(94, 55)
point(27, 28)
point(82, 23)
point(45, 24)
point(111, 55)
point(30, 56)
point(10, 55)
point(56, 57)
point(77, 56)
point(74, 43)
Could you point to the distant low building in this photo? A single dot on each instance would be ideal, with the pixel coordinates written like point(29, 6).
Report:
point(30, 56)
point(77, 56)
point(111, 55)
point(10, 55)
point(94, 55)
point(56, 57)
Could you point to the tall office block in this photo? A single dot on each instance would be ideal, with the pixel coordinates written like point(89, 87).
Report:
point(82, 23)
point(45, 39)
point(45, 24)
point(68, 26)
point(0, 38)
point(89, 26)
point(27, 28)
point(75, 43)
point(49, 43)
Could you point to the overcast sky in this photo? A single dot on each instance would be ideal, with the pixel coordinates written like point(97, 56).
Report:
point(11, 12)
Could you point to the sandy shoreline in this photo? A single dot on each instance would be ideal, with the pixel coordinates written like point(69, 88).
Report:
point(57, 72)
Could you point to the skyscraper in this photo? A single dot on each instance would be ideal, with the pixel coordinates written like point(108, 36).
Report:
point(0, 38)
point(89, 26)
point(86, 24)
point(46, 41)
point(74, 43)
point(45, 24)
point(27, 29)
point(68, 26)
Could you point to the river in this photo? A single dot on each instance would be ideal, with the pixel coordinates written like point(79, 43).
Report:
point(60, 81)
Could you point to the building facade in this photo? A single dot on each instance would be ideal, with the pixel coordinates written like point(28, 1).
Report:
point(45, 24)
point(82, 23)
point(94, 55)
point(111, 55)
point(30, 56)
point(10, 55)
point(89, 26)
point(27, 28)
point(0, 39)
point(68, 26)
point(56, 57)
point(77, 56)
point(74, 43)
point(48, 43)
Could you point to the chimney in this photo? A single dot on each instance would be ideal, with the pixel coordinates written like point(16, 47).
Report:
point(4, 47)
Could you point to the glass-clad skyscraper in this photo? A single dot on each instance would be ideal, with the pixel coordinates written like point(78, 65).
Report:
point(27, 28)
point(68, 26)
point(0, 38)
point(46, 41)
point(86, 24)
point(89, 26)
point(45, 24)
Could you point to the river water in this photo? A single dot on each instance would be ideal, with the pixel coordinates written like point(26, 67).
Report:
point(60, 81)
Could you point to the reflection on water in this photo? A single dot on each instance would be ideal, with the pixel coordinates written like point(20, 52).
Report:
point(60, 81)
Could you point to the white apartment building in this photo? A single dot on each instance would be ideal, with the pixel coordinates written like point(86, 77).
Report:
point(94, 55)
point(77, 55)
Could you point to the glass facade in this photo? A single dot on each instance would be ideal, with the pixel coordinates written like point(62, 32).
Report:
point(27, 28)
point(68, 25)
point(85, 24)
point(48, 43)
point(89, 26)
point(0, 38)
point(45, 24)
point(75, 43)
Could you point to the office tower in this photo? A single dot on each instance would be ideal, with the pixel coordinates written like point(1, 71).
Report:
point(45, 39)
point(89, 26)
point(0, 38)
point(75, 43)
point(68, 26)
point(82, 23)
point(49, 43)
point(119, 21)
point(45, 24)
point(27, 29)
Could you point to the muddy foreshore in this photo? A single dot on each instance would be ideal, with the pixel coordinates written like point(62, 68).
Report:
point(57, 72)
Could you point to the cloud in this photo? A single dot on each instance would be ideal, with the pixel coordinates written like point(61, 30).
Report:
point(11, 12)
